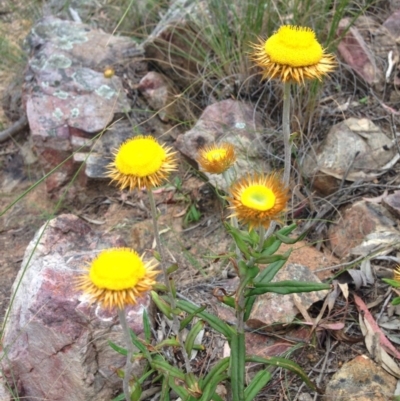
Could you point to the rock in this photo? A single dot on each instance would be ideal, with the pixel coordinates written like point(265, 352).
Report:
point(4, 392)
point(56, 344)
point(355, 52)
point(227, 121)
point(392, 24)
point(361, 228)
point(355, 149)
point(66, 92)
point(159, 95)
point(175, 45)
point(360, 380)
point(392, 203)
point(270, 309)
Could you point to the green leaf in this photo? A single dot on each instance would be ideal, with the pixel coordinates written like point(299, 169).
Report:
point(161, 365)
point(117, 348)
point(191, 337)
point(190, 317)
point(238, 238)
point(396, 301)
point(216, 323)
point(220, 367)
point(248, 306)
point(270, 271)
point(163, 306)
point(264, 259)
point(121, 397)
point(136, 392)
point(285, 364)
point(238, 354)
point(173, 268)
point(270, 246)
point(287, 230)
point(287, 287)
point(209, 389)
point(169, 342)
point(139, 345)
point(146, 326)
point(229, 301)
point(257, 384)
point(291, 241)
point(180, 390)
point(165, 388)
point(254, 236)
point(393, 283)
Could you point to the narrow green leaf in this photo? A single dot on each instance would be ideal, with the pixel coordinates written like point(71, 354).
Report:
point(165, 388)
point(180, 390)
point(287, 230)
point(191, 337)
point(270, 246)
point(169, 342)
point(146, 326)
point(248, 306)
point(217, 370)
point(291, 241)
point(285, 364)
point(257, 384)
point(173, 268)
point(117, 348)
point(216, 323)
point(162, 305)
point(120, 397)
point(139, 345)
point(238, 353)
point(190, 317)
point(160, 364)
point(263, 260)
point(136, 392)
point(287, 287)
point(270, 271)
point(209, 389)
point(396, 301)
point(393, 283)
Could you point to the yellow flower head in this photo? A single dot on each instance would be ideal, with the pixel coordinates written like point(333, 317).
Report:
point(397, 273)
point(216, 159)
point(141, 162)
point(116, 277)
point(257, 200)
point(292, 54)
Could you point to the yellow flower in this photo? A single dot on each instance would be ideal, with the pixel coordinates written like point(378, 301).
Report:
point(257, 200)
point(292, 54)
point(141, 162)
point(397, 273)
point(216, 159)
point(116, 277)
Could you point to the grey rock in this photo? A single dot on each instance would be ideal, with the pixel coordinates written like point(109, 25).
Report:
point(355, 149)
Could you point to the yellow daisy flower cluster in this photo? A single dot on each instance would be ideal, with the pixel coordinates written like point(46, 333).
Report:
point(292, 54)
point(117, 277)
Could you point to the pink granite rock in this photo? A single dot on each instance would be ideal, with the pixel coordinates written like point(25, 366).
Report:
point(66, 93)
point(55, 343)
point(361, 228)
point(159, 95)
point(355, 52)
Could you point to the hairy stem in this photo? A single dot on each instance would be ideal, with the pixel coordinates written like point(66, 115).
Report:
point(286, 132)
point(167, 282)
point(130, 350)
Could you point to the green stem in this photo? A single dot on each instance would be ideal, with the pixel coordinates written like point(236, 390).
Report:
point(130, 350)
point(286, 132)
point(167, 282)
